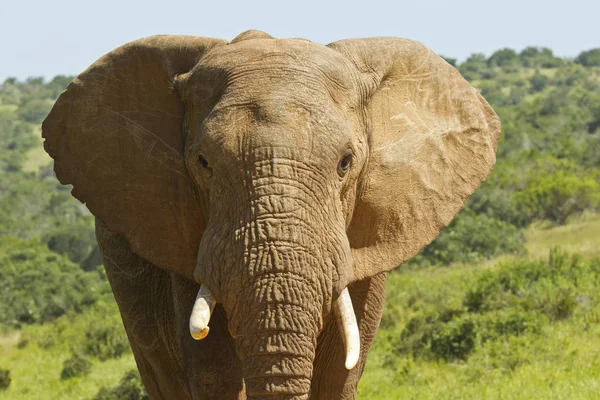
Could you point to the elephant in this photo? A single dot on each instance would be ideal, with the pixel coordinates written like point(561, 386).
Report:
point(250, 197)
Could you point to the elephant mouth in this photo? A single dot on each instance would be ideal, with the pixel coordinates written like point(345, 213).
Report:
point(342, 308)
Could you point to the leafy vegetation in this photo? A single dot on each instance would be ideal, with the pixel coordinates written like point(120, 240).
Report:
point(548, 166)
point(38, 285)
point(491, 309)
point(130, 388)
point(455, 335)
point(75, 366)
point(4, 379)
point(37, 354)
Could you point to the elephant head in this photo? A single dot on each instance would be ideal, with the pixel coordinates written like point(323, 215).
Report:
point(274, 173)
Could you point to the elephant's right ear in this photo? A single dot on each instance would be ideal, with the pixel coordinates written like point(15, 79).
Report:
point(432, 141)
point(116, 135)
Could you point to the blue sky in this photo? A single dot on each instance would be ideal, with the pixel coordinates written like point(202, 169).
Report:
point(45, 38)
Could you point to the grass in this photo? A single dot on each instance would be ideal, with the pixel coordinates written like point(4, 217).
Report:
point(36, 373)
point(559, 360)
point(562, 361)
point(581, 235)
point(35, 357)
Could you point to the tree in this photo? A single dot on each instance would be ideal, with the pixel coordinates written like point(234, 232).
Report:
point(590, 58)
point(538, 82)
point(539, 57)
point(503, 57)
point(451, 61)
point(35, 110)
point(475, 64)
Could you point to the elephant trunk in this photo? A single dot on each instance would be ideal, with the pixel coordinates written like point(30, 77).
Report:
point(276, 263)
point(279, 322)
point(278, 365)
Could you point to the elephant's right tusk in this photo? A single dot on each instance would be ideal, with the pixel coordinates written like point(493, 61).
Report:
point(203, 307)
point(347, 323)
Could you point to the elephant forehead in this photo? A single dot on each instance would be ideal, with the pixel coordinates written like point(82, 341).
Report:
point(269, 93)
point(275, 123)
point(262, 66)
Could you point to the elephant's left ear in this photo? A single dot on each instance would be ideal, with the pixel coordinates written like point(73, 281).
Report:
point(116, 135)
point(432, 140)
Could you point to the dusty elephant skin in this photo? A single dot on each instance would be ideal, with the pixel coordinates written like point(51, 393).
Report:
point(283, 178)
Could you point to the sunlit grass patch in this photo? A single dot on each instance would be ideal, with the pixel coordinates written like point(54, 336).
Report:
point(582, 236)
point(532, 333)
point(36, 374)
point(36, 355)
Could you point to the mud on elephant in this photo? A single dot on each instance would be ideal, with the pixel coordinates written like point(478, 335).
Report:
point(277, 179)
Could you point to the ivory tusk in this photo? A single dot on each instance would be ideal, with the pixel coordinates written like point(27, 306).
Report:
point(203, 308)
point(347, 323)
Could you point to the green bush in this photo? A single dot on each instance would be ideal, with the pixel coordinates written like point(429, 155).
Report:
point(130, 388)
point(37, 285)
point(442, 335)
point(494, 199)
point(75, 366)
point(549, 288)
point(454, 334)
point(558, 196)
point(5, 379)
point(504, 323)
point(454, 340)
point(539, 82)
point(469, 238)
point(76, 241)
point(105, 338)
point(517, 95)
point(514, 299)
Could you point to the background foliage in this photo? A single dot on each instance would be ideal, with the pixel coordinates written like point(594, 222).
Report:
point(489, 310)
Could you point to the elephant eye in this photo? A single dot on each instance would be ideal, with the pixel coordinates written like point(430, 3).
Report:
point(202, 161)
point(345, 163)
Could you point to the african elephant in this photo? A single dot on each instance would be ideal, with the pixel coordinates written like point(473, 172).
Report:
point(279, 180)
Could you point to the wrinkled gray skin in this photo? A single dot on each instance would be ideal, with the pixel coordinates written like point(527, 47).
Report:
point(294, 170)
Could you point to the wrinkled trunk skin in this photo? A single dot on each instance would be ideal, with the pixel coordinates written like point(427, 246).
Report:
point(275, 267)
point(277, 337)
point(277, 315)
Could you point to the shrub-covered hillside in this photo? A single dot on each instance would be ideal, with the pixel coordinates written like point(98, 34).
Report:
point(548, 165)
point(61, 335)
point(489, 310)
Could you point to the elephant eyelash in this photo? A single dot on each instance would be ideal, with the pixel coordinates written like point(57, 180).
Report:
point(202, 161)
point(345, 163)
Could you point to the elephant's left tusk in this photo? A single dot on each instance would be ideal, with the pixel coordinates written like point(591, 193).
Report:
point(347, 323)
point(203, 308)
